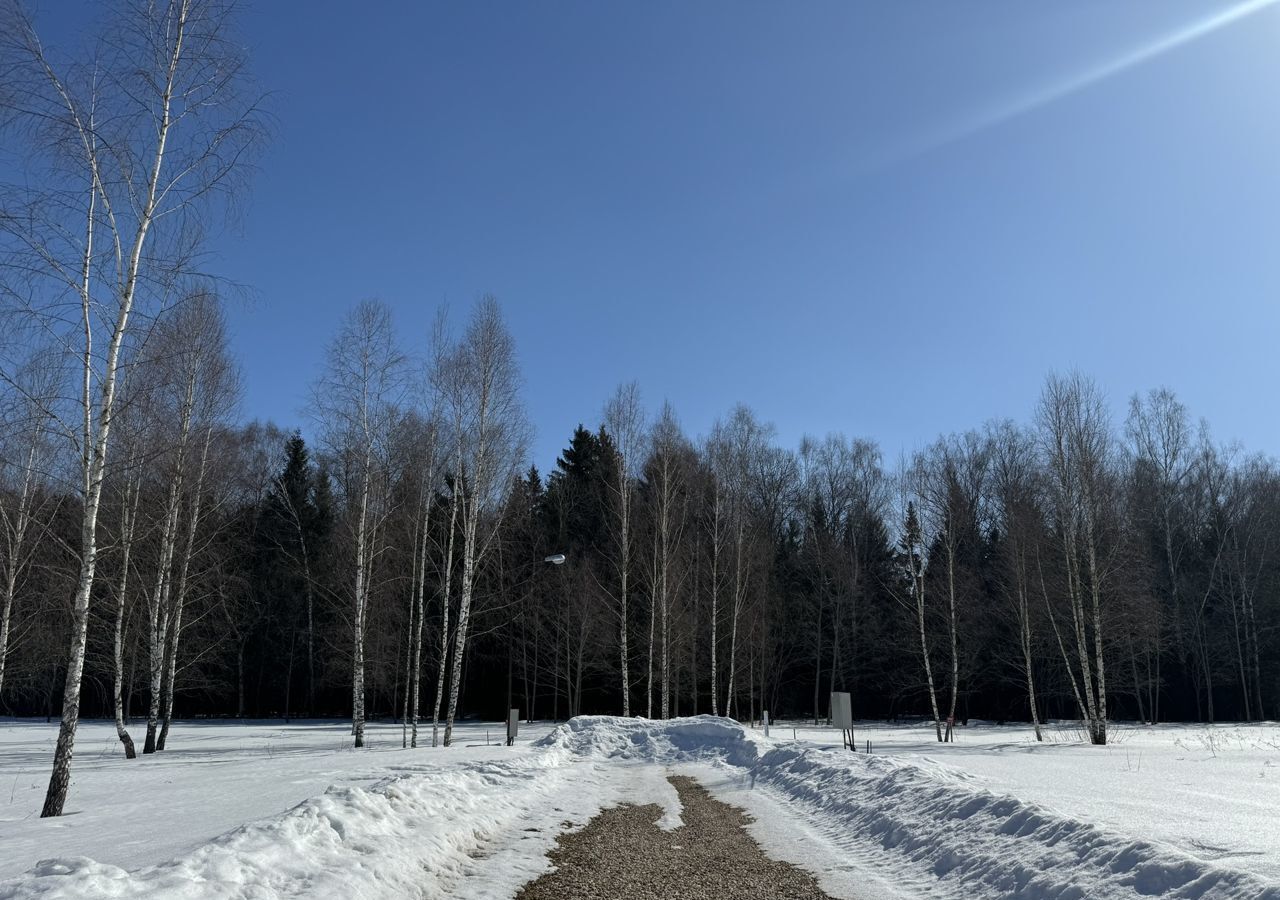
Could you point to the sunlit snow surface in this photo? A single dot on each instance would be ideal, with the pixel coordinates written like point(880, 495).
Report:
point(268, 810)
point(1213, 791)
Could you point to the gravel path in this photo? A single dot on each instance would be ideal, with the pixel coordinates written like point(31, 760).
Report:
point(621, 853)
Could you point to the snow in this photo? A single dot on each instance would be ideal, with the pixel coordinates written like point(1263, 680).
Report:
point(265, 811)
point(1213, 792)
point(381, 822)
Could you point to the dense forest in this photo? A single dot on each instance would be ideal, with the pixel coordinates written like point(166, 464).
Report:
point(1070, 567)
point(394, 557)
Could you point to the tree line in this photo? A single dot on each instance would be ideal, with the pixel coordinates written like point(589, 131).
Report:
point(159, 557)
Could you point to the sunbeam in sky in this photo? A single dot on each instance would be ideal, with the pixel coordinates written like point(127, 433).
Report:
point(1041, 96)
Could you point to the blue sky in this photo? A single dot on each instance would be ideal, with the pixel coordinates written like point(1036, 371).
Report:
point(824, 210)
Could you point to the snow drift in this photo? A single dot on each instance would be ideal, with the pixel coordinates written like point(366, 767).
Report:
point(974, 842)
point(413, 835)
point(698, 738)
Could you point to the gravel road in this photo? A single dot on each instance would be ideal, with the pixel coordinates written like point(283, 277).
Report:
point(621, 853)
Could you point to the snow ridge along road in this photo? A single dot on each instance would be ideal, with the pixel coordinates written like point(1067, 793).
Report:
point(458, 827)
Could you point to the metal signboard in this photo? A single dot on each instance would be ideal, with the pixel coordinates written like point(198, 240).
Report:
point(842, 717)
point(842, 710)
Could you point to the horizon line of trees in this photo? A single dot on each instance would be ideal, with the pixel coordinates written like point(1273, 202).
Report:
point(1065, 568)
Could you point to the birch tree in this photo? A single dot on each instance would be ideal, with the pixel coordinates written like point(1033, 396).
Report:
point(1077, 446)
point(667, 490)
point(949, 482)
point(738, 446)
point(356, 403)
point(422, 439)
point(1160, 441)
point(913, 597)
point(478, 382)
point(129, 149)
point(624, 421)
point(212, 391)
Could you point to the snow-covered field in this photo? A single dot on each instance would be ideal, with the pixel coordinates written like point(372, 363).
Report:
point(268, 810)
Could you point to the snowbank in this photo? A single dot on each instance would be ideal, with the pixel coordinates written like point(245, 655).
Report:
point(675, 740)
point(411, 836)
point(933, 821)
point(1211, 791)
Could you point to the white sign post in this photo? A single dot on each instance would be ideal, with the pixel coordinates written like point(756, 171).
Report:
point(842, 717)
point(513, 726)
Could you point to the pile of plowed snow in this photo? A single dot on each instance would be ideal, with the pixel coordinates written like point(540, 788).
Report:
point(413, 835)
point(694, 739)
point(932, 821)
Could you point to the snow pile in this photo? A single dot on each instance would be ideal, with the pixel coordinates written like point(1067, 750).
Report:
point(974, 842)
point(690, 739)
point(1211, 791)
point(413, 835)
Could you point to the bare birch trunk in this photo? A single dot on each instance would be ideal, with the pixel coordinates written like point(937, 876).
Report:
point(129, 517)
point(955, 648)
point(924, 655)
point(715, 598)
point(161, 608)
point(446, 596)
point(361, 602)
point(180, 595)
point(421, 612)
point(1095, 591)
point(470, 528)
point(739, 597)
point(653, 624)
point(1024, 629)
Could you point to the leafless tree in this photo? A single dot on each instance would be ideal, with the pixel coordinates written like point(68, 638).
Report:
point(843, 487)
point(27, 449)
point(131, 148)
point(737, 446)
point(1160, 440)
point(1015, 488)
point(357, 403)
point(478, 382)
point(915, 543)
point(624, 422)
point(422, 443)
point(1078, 448)
point(949, 479)
point(667, 493)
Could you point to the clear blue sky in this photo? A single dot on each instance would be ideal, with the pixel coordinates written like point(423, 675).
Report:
point(890, 219)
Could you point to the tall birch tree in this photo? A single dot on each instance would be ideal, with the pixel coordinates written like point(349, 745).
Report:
point(357, 402)
point(478, 382)
point(129, 149)
point(624, 421)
